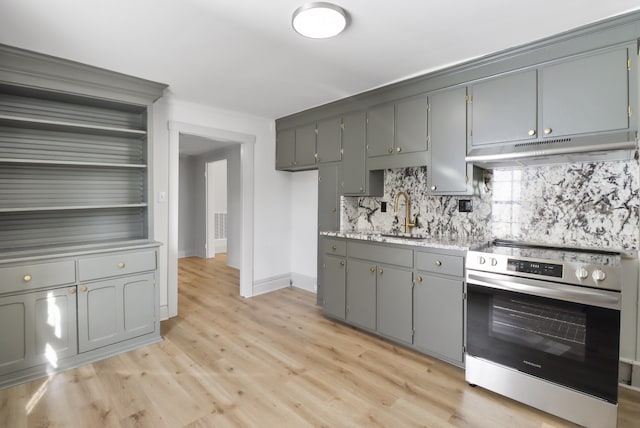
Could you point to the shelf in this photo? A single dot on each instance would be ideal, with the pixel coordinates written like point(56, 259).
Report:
point(54, 125)
point(71, 207)
point(70, 163)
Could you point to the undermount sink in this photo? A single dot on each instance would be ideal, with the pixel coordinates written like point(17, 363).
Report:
point(405, 235)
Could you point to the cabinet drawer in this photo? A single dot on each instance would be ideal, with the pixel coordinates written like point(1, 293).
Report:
point(440, 263)
point(116, 264)
point(381, 254)
point(334, 246)
point(30, 277)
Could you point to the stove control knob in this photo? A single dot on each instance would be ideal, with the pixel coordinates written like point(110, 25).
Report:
point(598, 275)
point(481, 260)
point(582, 273)
point(493, 261)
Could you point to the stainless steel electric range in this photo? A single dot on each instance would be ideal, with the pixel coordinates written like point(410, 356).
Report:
point(543, 328)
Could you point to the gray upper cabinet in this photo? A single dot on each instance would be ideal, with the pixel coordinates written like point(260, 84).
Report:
point(380, 130)
point(411, 125)
point(449, 173)
point(586, 94)
point(328, 197)
point(285, 149)
point(356, 179)
point(296, 148)
point(329, 141)
point(504, 108)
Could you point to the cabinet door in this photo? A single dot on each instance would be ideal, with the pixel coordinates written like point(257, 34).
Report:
point(329, 142)
point(380, 140)
point(115, 310)
point(333, 278)
point(438, 316)
point(411, 125)
point(40, 328)
point(328, 198)
point(354, 156)
point(285, 148)
point(586, 94)
point(395, 312)
point(448, 141)
point(305, 146)
point(361, 293)
point(505, 109)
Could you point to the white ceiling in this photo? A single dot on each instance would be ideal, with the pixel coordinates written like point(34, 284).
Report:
point(243, 55)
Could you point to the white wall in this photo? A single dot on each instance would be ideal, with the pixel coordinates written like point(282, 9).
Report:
point(272, 189)
point(304, 229)
point(188, 239)
point(216, 203)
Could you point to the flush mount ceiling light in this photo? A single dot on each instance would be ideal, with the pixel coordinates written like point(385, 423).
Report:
point(319, 20)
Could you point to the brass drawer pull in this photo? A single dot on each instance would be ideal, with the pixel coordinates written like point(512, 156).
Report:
point(547, 130)
point(438, 263)
point(333, 247)
point(418, 279)
point(26, 278)
point(121, 265)
point(532, 132)
point(341, 263)
point(380, 271)
point(372, 270)
point(72, 290)
point(389, 150)
point(84, 289)
point(399, 149)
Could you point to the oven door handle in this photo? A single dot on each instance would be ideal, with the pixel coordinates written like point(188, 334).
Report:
point(567, 293)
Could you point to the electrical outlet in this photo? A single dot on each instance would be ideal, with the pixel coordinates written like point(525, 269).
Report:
point(465, 206)
point(383, 207)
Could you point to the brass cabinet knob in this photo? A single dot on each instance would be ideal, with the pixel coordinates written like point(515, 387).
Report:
point(438, 263)
point(333, 247)
point(333, 210)
point(380, 271)
point(341, 263)
point(372, 269)
point(389, 150)
point(121, 265)
point(362, 189)
point(548, 130)
point(26, 278)
point(434, 187)
point(532, 132)
point(72, 290)
point(399, 149)
point(418, 279)
point(83, 289)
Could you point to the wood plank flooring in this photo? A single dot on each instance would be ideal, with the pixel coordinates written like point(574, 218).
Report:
point(268, 361)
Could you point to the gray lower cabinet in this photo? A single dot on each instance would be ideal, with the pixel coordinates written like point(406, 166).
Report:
point(39, 328)
point(438, 316)
point(449, 173)
point(333, 278)
point(394, 303)
point(361, 293)
point(115, 310)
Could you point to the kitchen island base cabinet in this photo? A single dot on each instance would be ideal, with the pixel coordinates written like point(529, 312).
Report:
point(438, 317)
point(115, 310)
point(39, 328)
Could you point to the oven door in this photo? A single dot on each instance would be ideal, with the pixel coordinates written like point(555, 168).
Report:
point(565, 334)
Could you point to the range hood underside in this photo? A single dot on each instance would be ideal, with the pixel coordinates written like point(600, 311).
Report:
point(597, 148)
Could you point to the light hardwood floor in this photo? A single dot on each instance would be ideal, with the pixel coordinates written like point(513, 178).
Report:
point(268, 361)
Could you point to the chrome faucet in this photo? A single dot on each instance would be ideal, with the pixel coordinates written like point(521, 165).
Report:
point(407, 216)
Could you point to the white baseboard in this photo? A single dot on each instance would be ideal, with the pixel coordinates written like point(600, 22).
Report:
point(305, 282)
point(189, 253)
point(268, 285)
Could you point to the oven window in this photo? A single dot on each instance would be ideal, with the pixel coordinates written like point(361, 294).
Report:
point(546, 328)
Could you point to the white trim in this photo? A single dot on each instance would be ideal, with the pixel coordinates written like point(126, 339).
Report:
point(246, 142)
point(268, 285)
point(304, 282)
point(164, 313)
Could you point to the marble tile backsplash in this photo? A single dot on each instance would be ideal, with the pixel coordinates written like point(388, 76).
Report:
point(435, 215)
point(581, 204)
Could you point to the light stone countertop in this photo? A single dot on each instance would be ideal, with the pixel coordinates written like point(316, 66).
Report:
point(416, 240)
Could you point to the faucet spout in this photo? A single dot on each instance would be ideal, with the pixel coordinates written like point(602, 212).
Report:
point(407, 217)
